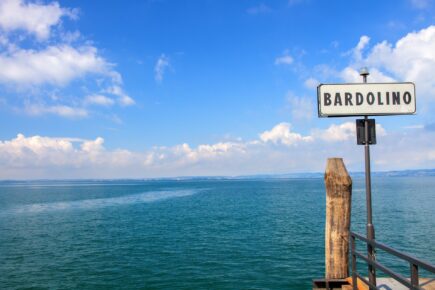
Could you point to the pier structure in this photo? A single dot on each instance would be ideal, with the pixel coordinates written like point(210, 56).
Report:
point(338, 237)
point(340, 243)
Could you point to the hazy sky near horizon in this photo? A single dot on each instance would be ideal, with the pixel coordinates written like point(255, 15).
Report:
point(115, 89)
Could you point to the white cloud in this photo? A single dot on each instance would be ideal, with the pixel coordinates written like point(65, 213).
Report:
point(34, 18)
point(284, 60)
point(380, 131)
point(36, 145)
point(123, 98)
point(93, 145)
point(93, 149)
point(181, 156)
point(282, 134)
point(357, 51)
point(70, 37)
point(59, 110)
point(56, 65)
point(351, 75)
point(161, 65)
point(49, 157)
point(411, 58)
point(220, 148)
point(99, 100)
point(340, 132)
point(30, 73)
point(343, 132)
point(311, 83)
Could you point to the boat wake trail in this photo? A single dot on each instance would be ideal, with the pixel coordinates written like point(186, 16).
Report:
point(87, 204)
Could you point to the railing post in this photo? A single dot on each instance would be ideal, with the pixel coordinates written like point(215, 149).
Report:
point(414, 275)
point(353, 249)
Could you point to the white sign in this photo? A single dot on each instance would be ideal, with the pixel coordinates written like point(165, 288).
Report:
point(366, 99)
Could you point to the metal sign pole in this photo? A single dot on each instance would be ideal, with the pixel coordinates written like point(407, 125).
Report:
point(362, 99)
point(370, 229)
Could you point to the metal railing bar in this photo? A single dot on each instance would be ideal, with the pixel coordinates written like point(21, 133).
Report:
point(384, 269)
point(354, 270)
point(396, 253)
point(366, 281)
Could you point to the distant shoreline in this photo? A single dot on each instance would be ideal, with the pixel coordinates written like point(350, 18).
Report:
point(306, 175)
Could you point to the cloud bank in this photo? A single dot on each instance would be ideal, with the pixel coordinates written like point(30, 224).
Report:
point(278, 150)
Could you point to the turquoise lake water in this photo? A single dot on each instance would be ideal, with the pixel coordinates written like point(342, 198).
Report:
point(197, 234)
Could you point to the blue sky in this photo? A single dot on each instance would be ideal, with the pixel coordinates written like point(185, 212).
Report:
point(168, 88)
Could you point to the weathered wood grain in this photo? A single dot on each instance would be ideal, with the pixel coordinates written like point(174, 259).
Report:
point(338, 208)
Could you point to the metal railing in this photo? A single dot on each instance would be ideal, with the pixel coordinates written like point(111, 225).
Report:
point(414, 263)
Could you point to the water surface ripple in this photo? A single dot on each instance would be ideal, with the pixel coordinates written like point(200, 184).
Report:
point(193, 234)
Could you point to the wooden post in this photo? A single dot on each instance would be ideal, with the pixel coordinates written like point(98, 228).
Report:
point(338, 205)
